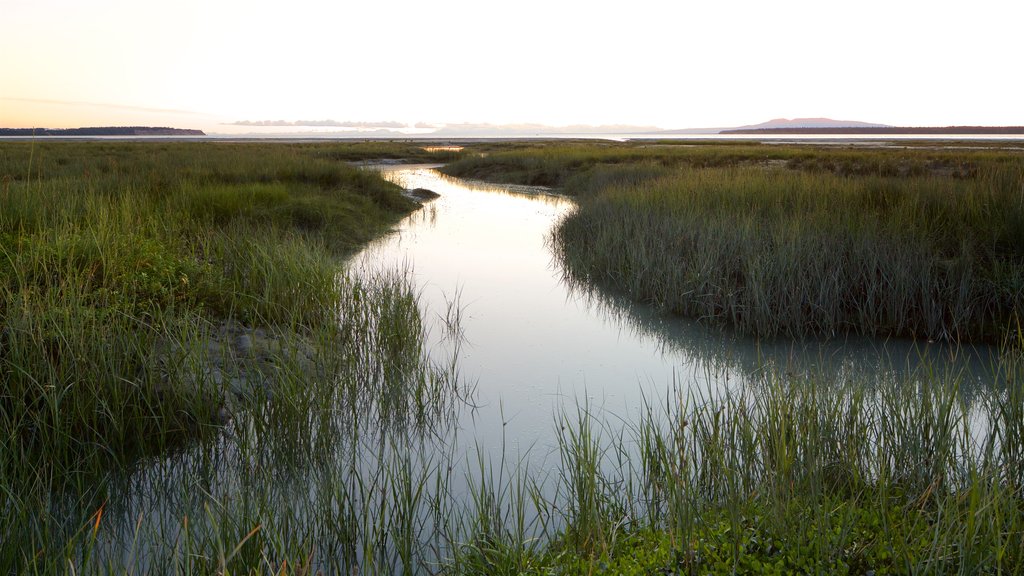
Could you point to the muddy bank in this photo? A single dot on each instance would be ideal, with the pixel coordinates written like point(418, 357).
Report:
point(234, 364)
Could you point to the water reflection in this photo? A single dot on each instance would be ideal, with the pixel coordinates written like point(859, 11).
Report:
point(536, 341)
point(454, 384)
point(339, 462)
point(837, 361)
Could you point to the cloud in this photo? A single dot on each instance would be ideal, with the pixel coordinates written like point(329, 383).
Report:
point(320, 123)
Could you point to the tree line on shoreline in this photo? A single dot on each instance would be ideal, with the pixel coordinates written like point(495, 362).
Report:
point(102, 131)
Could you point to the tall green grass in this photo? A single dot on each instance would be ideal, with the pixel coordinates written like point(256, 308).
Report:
point(120, 267)
point(788, 475)
point(569, 164)
point(346, 453)
point(109, 250)
point(783, 476)
point(775, 252)
point(337, 463)
point(791, 240)
point(804, 477)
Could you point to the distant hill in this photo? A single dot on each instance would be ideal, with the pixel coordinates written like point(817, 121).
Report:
point(868, 130)
point(804, 123)
point(102, 131)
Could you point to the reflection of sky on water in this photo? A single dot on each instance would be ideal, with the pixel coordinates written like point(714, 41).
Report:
point(534, 346)
point(534, 340)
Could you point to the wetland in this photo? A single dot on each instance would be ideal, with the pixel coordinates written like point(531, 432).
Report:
point(579, 358)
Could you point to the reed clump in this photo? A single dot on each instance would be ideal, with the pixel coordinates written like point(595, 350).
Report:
point(109, 251)
point(779, 252)
point(787, 474)
point(161, 301)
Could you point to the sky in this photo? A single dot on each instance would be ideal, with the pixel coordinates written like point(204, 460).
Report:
point(207, 64)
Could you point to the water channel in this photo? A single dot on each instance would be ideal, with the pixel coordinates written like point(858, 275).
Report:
point(529, 347)
point(536, 345)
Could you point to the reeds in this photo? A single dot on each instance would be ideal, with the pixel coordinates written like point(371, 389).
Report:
point(127, 273)
point(570, 164)
point(342, 451)
point(788, 475)
point(779, 252)
point(792, 240)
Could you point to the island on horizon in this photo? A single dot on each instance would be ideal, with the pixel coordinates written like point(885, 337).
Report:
point(868, 130)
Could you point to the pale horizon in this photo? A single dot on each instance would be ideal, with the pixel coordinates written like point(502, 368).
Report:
point(403, 66)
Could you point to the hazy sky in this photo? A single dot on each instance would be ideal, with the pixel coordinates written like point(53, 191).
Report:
point(202, 63)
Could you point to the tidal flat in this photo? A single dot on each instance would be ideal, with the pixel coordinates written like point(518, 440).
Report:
point(210, 365)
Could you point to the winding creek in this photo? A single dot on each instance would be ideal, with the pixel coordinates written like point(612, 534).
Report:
point(528, 346)
point(535, 345)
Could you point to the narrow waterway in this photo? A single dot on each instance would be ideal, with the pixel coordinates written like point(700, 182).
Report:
point(535, 346)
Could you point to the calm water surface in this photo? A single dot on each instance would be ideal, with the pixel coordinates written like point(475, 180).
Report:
point(532, 342)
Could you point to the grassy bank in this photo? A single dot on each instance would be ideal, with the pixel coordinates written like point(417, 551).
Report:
point(793, 240)
point(180, 297)
point(574, 165)
point(111, 251)
point(151, 291)
point(789, 476)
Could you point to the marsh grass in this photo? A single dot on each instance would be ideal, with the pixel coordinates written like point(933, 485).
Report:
point(789, 475)
point(347, 457)
point(790, 240)
point(569, 164)
point(794, 253)
point(337, 463)
point(118, 263)
point(96, 270)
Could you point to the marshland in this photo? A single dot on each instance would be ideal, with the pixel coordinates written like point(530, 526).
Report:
point(582, 358)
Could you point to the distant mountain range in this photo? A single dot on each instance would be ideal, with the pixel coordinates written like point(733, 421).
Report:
point(102, 131)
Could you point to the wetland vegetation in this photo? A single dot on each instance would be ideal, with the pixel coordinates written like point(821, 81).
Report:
point(196, 380)
point(148, 292)
point(797, 240)
point(792, 240)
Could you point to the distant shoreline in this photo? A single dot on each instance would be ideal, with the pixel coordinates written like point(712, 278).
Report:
point(101, 131)
point(824, 137)
point(952, 130)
